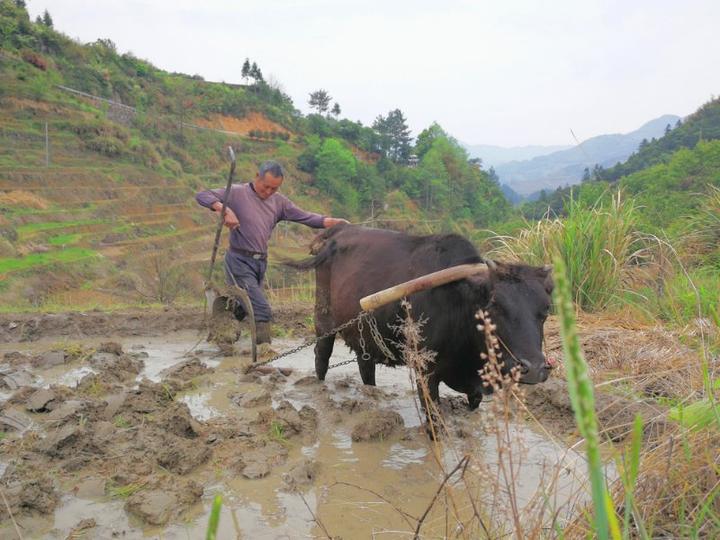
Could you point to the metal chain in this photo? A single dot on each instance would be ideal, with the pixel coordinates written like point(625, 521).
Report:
point(379, 340)
point(365, 355)
point(307, 343)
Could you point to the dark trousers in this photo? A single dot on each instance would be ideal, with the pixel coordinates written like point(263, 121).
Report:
point(249, 274)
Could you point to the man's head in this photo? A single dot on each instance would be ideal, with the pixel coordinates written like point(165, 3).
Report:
point(269, 179)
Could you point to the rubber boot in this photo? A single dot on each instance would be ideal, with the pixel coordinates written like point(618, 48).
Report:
point(263, 332)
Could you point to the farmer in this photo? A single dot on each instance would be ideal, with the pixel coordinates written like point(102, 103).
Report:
point(253, 210)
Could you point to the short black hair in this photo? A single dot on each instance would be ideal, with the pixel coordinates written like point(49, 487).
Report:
point(272, 167)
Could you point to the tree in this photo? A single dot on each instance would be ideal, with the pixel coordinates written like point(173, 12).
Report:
point(586, 175)
point(493, 176)
point(667, 129)
point(320, 100)
point(256, 74)
point(47, 19)
point(335, 172)
point(20, 4)
point(245, 73)
point(336, 110)
point(427, 137)
point(394, 136)
point(597, 172)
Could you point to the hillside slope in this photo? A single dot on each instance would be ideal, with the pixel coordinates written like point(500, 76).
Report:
point(566, 167)
point(101, 154)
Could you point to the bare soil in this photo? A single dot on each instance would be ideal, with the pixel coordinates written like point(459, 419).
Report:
point(149, 446)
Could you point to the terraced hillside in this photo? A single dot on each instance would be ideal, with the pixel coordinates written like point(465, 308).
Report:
point(84, 228)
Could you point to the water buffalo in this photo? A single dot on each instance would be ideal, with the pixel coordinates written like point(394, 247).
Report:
point(352, 262)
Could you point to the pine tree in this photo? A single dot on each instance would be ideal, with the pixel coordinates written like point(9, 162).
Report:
point(255, 73)
point(245, 73)
point(586, 175)
point(395, 136)
point(20, 3)
point(320, 100)
point(47, 19)
point(336, 110)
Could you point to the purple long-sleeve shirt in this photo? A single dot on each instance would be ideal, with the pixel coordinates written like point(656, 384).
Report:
point(257, 217)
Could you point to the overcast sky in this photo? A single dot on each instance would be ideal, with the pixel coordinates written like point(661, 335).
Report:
point(512, 72)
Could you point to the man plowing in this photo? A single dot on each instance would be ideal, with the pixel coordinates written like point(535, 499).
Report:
point(252, 211)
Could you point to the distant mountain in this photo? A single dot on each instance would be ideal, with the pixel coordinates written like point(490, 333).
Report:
point(566, 166)
point(703, 124)
point(511, 195)
point(493, 156)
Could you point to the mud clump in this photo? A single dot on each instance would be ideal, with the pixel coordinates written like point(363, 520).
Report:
point(159, 502)
point(16, 358)
point(28, 495)
point(224, 328)
point(377, 425)
point(259, 461)
point(253, 396)
point(117, 368)
point(184, 375)
point(176, 419)
point(288, 421)
point(49, 359)
point(110, 347)
point(180, 455)
point(42, 400)
point(615, 412)
point(301, 475)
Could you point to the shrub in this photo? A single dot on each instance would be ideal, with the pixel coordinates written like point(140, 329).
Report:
point(596, 243)
point(35, 59)
point(107, 145)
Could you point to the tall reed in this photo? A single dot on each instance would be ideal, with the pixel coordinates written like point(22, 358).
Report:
point(596, 244)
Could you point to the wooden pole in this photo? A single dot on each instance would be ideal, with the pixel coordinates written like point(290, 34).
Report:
point(47, 146)
point(422, 283)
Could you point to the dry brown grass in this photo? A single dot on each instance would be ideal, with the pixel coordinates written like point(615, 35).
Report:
point(649, 359)
point(23, 199)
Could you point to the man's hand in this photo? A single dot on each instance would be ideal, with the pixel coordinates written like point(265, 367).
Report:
point(332, 221)
point(231, 221)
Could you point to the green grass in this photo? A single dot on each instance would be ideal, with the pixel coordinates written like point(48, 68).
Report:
point(596, 244)
point(65, 239)
point(685, 297)
point(214, 521)
point(277, 432)
point(69, 255)
point(123, 492)
point(121, 422)
point(30, 228)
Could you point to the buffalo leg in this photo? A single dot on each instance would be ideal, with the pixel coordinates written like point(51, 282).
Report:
point(323, 351)
point(474, 399)
point(323, 322)
point(433, 391)
point(367, 370)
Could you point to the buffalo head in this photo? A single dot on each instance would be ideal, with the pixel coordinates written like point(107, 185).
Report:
point(517, 298)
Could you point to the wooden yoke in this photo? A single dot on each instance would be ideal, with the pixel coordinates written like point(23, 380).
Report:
point(422, 283)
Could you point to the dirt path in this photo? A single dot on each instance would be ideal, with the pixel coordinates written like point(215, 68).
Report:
point(28, 327)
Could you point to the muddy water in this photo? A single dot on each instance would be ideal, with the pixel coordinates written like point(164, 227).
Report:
point(359, 489)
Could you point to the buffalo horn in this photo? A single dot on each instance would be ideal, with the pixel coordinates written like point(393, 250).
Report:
point(422, 283)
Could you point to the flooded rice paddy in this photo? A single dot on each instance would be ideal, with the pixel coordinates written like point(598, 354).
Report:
point(134, 439)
